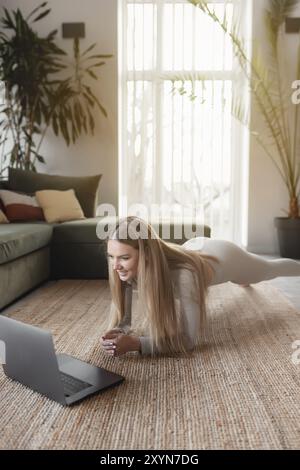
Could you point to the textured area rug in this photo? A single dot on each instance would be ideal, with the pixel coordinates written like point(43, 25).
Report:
point(240, 390)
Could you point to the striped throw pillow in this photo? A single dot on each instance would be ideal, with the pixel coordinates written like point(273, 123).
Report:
point(20, 207)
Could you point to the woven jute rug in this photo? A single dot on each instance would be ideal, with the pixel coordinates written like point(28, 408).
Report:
point(240, 390)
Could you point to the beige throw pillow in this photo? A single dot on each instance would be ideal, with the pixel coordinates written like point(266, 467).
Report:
point(59, 206)
point(3, 218)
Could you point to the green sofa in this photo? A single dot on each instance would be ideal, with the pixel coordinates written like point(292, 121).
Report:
point(34, 252)
point(24, 259)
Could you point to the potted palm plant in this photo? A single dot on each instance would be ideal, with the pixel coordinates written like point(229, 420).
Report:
point(273, 96)
point(41, 89)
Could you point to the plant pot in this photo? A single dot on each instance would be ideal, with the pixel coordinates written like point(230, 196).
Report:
point(289, 236)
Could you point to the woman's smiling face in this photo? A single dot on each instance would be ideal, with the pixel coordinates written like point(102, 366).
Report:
point(124, 259)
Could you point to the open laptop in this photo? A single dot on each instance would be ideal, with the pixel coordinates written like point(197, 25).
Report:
point(31, 360)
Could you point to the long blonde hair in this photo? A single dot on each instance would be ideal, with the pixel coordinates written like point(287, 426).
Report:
point(156, 261)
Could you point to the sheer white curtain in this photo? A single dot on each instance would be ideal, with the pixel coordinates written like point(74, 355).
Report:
point(174, 150)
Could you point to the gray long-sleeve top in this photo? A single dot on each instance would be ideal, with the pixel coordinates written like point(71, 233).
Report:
point(185, 299)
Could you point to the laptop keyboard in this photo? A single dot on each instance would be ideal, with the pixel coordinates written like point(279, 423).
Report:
point(72, 385)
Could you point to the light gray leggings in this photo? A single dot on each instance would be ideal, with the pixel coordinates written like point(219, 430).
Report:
point(239, 266)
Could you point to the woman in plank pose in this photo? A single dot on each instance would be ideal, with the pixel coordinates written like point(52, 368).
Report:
point(172, 283)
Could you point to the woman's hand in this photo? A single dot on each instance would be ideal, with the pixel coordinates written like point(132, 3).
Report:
point(116, 343)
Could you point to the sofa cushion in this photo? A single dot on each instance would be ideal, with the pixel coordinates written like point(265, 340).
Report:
point(76, 231)
point(172, 232)
point(19, 239)
point(85, 231)
point(59, 206)
point(2, 206)
point(85, 187)
point(20, 207)
point(3, 218)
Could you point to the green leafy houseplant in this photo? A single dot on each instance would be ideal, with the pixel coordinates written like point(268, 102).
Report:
point(41, 88)
point(273, 96)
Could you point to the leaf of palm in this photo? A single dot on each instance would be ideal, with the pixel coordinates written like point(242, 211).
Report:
point(35, 10)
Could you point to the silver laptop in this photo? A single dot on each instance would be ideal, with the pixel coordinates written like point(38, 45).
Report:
point(31, 360)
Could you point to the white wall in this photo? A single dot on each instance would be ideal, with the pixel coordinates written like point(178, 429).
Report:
point(267, 193)
point(91, 154)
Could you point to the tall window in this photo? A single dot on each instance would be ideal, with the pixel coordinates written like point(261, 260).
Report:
point(179, 144)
